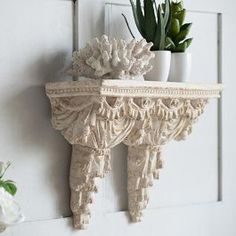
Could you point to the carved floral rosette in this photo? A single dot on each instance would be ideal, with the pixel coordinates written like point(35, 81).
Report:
point(96, 116)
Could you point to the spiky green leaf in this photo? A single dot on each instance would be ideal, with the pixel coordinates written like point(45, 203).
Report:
point(186, 26)
point(169, 45)
point(184, 31)
point(150, 20)
point(159, 43)
point(180, 16)
point(127, 23)
point(140, 17)
point(174, 28)
point(166, 8)
point(134, 10)
point(163, 5)
point(181, 47)
point(180, 4)
point(167, 13)
point(188, 42)
point(176, 6)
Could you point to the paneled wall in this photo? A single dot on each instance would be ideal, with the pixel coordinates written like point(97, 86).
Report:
point(35, 47)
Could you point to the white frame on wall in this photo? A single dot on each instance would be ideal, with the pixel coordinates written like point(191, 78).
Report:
point(208, 219)
point(219, 80)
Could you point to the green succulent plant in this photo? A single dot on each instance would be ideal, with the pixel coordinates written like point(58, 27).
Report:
point(177, 40)
point(153, 22)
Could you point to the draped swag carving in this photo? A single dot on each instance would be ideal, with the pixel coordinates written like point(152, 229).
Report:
point(96, 116)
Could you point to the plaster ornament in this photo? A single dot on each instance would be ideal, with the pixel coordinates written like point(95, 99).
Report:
point(112, 59)
point(95, 116)
point(166, 120)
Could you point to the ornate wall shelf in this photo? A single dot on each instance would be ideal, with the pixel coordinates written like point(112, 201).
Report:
point(96, 115)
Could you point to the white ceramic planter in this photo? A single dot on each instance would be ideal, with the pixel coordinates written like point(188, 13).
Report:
point(180, 67)
point(161, 66)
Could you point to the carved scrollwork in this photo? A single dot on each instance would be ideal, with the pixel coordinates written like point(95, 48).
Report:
point(144, 164)
point(87, 164)
point(162, 121)
point(93, 125)
point(94, 118)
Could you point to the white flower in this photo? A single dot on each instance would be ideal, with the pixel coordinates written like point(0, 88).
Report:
point(10, 212)
point(3, 168)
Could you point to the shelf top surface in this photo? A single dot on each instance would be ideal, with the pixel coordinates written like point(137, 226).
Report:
point(132, 88)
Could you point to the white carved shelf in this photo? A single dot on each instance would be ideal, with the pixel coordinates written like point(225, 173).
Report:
point(96, 115)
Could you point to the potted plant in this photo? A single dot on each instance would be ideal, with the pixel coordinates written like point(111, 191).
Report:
point(10, 212)
point(178, 43)
point(153, 22)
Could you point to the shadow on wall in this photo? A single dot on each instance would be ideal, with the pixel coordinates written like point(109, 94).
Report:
point(29, 117)
point(51, 68)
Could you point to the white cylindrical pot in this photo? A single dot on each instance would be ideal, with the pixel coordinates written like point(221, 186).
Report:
point(161, 66)
point(180, 67)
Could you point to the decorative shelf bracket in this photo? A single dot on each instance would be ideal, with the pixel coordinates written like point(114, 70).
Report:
point(96, 115)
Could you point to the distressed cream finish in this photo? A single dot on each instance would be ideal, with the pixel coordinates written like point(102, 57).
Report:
point(96, 115)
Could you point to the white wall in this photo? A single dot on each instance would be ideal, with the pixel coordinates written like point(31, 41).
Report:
point(35, 47)
point(197, 183)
